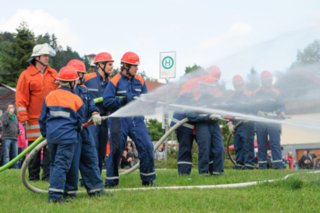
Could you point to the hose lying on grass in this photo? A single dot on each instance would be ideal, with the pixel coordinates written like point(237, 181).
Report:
point(33, 153)
point(22, 154)
point(33, 145)
point(156, 146)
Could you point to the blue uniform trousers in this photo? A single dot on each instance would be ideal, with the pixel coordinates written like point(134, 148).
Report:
point(89, 167)
point(243, 144)
point(211, 151)
point(62, 159)
point(185, 151)
point(135, 128)
point(100, 135)
point(273, 131)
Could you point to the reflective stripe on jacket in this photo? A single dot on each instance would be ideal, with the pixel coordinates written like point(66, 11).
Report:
point(62, 116)
point(32, 88)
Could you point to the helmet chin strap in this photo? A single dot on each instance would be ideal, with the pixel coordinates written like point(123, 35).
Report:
point(72, 85)
point(81, 77)
point(127, 70)
point(104, 69)
point(40, 62)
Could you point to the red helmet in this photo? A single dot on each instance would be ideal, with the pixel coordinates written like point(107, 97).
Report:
point(78, 65)
point(266, 75)
point(130, 58)
point(103, 57)
point(67, 73)
point(215, 72)
point(237, 81)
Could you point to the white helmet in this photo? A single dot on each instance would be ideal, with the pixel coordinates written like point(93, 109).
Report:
point(43, 49)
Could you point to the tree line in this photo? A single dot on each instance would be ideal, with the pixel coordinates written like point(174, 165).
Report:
point(16, 48)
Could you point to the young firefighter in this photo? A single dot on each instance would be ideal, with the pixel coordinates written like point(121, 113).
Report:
point(122, 89)
point(272, 104)
point(207, 131)
point(89, 167)
point(60, 122)
point(96, 82)
point(243, 133)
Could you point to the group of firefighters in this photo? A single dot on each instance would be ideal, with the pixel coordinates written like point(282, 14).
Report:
point(58, 105)
point(205, 130)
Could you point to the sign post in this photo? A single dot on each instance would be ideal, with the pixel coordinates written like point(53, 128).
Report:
point(167, 71)
point(167, 65)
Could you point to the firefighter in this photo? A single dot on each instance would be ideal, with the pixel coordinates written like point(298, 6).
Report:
point(86, 152)
point(33, 86)
point(185, 135)
point(207, 131)
point(243, 131)
point(60, 123)
point(122, 89)
point(270, 104)
point(96, 83)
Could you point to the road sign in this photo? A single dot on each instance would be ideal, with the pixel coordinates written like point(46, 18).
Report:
point(167, 65)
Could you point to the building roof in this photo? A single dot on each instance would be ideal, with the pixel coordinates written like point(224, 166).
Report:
point(7, 96)
point(153, 84)
point(301, 135)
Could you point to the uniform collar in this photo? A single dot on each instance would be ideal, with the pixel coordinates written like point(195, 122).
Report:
point(65, 88)
point(126, 77)
point(33, 70)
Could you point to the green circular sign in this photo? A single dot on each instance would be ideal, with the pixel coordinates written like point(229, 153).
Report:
point(167, 62)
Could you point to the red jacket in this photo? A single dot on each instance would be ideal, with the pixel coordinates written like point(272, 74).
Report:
point(32, 88)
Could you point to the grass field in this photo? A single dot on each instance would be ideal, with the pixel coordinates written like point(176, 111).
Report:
point(300, 193)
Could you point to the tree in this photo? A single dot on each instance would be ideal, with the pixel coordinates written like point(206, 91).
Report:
point(114, 72)
point(63, 57)
point(15, 53)
point(310, 54)
point(16, 48)
point(155, 129)
point(253, 79)
point(193, 68)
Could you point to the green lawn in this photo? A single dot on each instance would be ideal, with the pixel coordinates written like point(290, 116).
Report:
point(300, 193)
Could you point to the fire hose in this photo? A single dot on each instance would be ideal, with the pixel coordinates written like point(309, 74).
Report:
point(34, 144)
point(33, 153)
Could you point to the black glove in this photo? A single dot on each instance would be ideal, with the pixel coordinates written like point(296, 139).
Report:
point(123, 100)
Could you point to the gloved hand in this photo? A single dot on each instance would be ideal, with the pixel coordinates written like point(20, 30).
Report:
point(215, 117)
point(131, 97)
point(281, 115)
point(123, 100)
point(262, 114)
point(230, 126)
point(96, 118)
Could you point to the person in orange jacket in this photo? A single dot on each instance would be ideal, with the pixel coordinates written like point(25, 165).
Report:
point(33, 86)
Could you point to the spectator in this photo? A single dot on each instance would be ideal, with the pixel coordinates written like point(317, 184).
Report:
point(316, 161)
point(132, 152)
point(269, 159)
point(10, 133)
point(305, 161)
point(22, 142)
point(0, 139)
point(290, 160)
point(160, 153)
point(126, 160)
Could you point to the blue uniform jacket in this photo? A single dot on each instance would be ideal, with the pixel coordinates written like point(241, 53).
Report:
point(122, 90)
point(269, 100)
point(186, 127)
point(88, 104)
point(96, 87)
point(61, 116)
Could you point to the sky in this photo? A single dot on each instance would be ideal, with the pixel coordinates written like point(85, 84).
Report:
point(235, 35)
